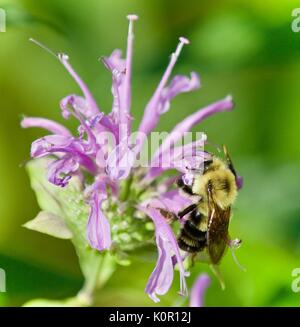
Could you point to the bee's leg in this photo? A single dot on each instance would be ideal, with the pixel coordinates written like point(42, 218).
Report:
point(187, 210)
point(169, 216)
point(216, 271)
point(193, 259)
point(187, 189)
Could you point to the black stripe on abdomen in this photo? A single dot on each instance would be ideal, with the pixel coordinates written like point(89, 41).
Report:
point(191, 239)
point(191, 248)
point(193, 232)
point(196, 217)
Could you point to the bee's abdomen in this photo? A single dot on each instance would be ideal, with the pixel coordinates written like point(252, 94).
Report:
point(196, 217)
point(185, 245)
point(191, 238)
point(188, 248)
point(193, 232)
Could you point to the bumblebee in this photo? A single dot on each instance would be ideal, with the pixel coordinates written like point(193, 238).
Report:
point(206, 221)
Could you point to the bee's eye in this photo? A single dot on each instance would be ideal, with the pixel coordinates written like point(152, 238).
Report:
point(206, 164)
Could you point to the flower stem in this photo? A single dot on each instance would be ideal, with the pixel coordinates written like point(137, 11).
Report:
point(98, 276)
point(125, 190)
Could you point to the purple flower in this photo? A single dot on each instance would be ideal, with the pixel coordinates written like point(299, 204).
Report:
point(162, 276)
point(98, 229)
point(188, 123)
point(60, 171)
point(104, 148)
point(65, 147)
point(198, 290)
point(47, 124)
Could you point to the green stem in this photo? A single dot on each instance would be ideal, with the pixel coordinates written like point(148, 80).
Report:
point(125, 191)
point(97, 278)
point(107, 269)
point(86, 294)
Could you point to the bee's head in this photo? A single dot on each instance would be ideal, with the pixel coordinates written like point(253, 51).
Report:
point(213, 164)
point(223, 187)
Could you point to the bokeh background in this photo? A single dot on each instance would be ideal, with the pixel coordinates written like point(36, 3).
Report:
point(239, 47)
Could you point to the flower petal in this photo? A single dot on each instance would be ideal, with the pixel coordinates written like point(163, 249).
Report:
point(121, 85)
point(93, 108)
point(162, 276)
point(57, 144)
point(60, 171)
point(159, 283)
point(120, 161)
point(76, 106)
point(77, 102)
point(50, 144)
point(191, 121)
point(118, 77)
point(98, 228)
point(198, 290)
point(114, 62)
point(47, 124)
point(171, 201)
point(179, 84)
point(126, 91)
point(239, 182)
point(86, 104)
point(151, 113)
point(185, 159)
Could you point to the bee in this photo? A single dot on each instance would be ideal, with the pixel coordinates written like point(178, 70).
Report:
point(206, 221)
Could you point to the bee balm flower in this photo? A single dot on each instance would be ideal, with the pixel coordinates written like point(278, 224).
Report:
point(124, 197)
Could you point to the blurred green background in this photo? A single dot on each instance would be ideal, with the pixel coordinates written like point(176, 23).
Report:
point(239, 47)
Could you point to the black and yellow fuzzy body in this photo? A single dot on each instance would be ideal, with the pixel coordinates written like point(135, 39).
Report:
point(192, 239)
point(207, 220)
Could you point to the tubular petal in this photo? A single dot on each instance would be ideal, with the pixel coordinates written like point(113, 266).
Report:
point(162, 276)
point(98, 228)
point(151, 114)
point(192, 120)
point(47, 124)
point(198, 290)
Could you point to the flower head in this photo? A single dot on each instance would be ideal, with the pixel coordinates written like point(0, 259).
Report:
point(124, 197)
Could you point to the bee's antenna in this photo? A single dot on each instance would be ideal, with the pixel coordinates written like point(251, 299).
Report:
point(233, 245)
point(229, 161)
point(227, 156)
point(195, 170)
point(217, 146)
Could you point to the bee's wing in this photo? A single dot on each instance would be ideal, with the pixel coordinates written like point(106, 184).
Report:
point(217, 231)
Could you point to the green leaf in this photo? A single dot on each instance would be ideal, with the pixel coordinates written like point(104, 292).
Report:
point(69, 204)
point(69, 302)
point(50, 224)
